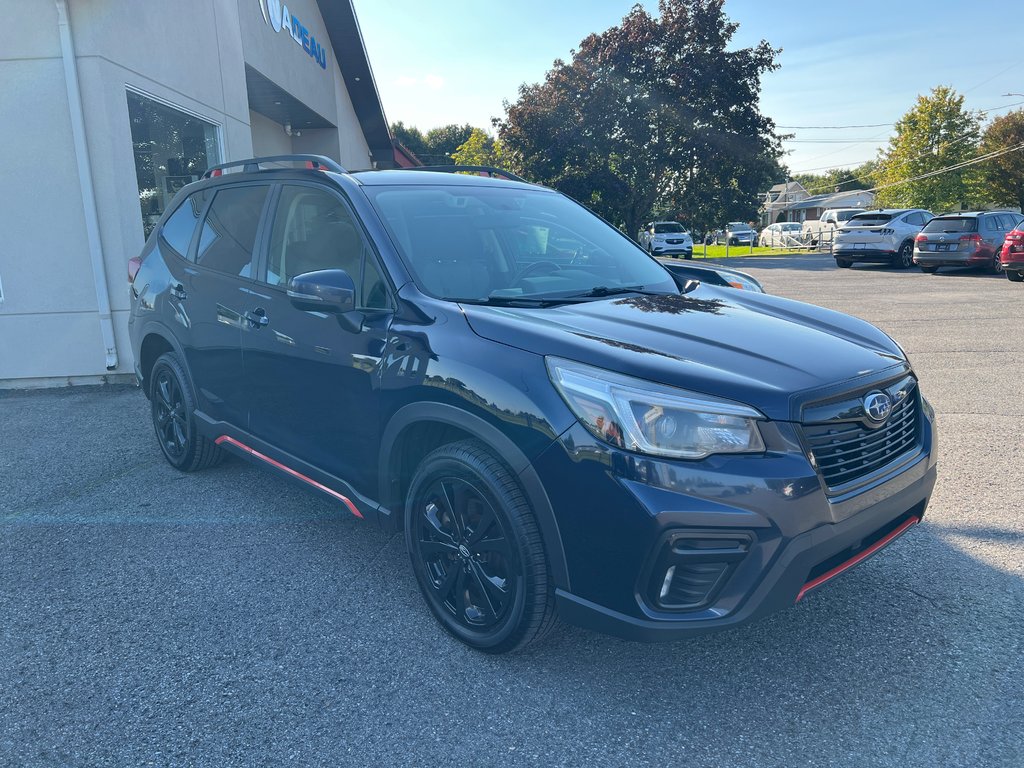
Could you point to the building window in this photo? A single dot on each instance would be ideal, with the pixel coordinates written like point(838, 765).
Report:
point(172, 148)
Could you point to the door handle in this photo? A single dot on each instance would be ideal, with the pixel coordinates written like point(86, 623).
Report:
point(257, 318)
point(178, 292)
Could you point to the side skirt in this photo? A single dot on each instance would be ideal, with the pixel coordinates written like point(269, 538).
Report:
point(243, 444)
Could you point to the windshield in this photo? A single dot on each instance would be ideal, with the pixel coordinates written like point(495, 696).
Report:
point(952, 224)
point(791, 227)
point(667, 227)
point(869, 220)
point(477, 243)
point(738, 226)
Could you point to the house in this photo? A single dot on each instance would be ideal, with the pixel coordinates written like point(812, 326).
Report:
point(778, 199)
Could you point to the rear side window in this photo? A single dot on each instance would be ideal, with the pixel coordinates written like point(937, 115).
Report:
point(951, 225)
point(869, 219)
point(178, 229)
point(991, 225)
point(229, 231)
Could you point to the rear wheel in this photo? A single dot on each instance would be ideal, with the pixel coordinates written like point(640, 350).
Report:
point(904, 258)
point(843, 263)
point(1014, 277)
point(476, 550)
point(997, 266)
point(173, 410)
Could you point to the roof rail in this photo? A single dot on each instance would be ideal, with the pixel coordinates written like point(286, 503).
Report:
point(317, 162)
point(488, 169)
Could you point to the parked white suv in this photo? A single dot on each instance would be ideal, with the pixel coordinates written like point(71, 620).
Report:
point(665, 238)
point(883, 236)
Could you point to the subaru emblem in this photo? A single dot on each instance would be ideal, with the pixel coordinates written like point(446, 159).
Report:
point(878, 406)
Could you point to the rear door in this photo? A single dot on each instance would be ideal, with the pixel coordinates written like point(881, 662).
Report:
point(313, 377)
point(212, 298)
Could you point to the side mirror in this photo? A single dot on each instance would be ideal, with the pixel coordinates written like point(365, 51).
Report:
point(327, 290)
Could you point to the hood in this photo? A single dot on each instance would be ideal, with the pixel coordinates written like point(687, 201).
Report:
point(756, 349)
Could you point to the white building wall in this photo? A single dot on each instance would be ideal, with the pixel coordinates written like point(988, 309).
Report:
point(190, 54)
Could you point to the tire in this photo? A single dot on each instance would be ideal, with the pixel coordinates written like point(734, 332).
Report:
point(929, 270)
point(172, 407)
point(997, 266)
point(688, 255)
point(461, 498)
point(1014, 277)
point(843, 263)
point(904, 258)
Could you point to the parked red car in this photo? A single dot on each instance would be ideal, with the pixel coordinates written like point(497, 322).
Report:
point(1012, 255)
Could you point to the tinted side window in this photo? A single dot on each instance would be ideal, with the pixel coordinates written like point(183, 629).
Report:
point(229, 231)
point(178, 229)
point(990, 224)
point(313, 230)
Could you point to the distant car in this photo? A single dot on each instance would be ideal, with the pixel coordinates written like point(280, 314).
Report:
point(736, 233)
point(785, 233)
point(715, 275)
point(1011, 259)
point(883, 236)
point(964, 240)
point(666, 238)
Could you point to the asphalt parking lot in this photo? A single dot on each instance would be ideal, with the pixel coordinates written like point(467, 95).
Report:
point(230, 618)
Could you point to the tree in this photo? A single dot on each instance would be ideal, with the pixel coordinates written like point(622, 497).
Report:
point(437, 145)
point(935, 134)
point(1003, 177)
point(411, 137)
point(653, 113)
point(480, 149)
point(837, 180)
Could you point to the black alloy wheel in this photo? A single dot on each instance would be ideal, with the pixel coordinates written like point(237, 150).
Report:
point(997, 266)
point(172, 406)
point(905, 256)
point(476, 550)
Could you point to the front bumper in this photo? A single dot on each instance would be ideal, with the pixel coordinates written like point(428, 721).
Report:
point(794, 536)
point(664, 249)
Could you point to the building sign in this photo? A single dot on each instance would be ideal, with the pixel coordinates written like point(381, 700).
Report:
point(276, 14)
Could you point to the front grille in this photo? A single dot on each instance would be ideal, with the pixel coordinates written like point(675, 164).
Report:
point(847, 451)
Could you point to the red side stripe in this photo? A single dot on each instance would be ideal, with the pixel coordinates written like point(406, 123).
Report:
point(859, 557)
point(290, 471)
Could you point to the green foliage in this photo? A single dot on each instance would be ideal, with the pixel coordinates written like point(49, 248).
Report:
point(1003, 177)
point(437, 145)
point(838, 179)
point(652, 115)
point(480, 149)
point(936, 133)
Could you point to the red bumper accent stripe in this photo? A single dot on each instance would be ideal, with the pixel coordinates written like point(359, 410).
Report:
point(859, 557)
point(319, 486)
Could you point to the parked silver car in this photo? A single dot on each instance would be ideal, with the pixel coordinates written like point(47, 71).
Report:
point(884, 236)
point(736, 233)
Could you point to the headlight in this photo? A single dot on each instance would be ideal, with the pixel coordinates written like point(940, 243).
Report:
point(652, 418)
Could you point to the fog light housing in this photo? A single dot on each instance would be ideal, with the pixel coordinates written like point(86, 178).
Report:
point(690, 568)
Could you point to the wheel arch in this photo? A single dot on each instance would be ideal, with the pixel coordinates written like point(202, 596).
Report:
point(419, 428)
point(156, 341)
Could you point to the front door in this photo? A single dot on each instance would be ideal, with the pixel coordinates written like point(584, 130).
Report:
point(313, 377)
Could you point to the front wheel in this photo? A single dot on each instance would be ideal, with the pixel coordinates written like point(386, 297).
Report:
point(476, 550)
point(843, 263)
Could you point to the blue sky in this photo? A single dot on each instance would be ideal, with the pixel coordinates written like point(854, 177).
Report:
point(442, 61)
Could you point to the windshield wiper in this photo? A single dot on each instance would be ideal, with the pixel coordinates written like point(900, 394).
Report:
point(519, 301)
point(603, 290)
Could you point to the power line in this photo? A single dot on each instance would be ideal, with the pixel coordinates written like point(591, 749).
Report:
point(831, 127)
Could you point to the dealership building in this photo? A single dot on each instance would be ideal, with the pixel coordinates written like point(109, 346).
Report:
point(111, 106)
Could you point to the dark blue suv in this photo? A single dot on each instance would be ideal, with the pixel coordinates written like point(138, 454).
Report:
point(560, 427)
